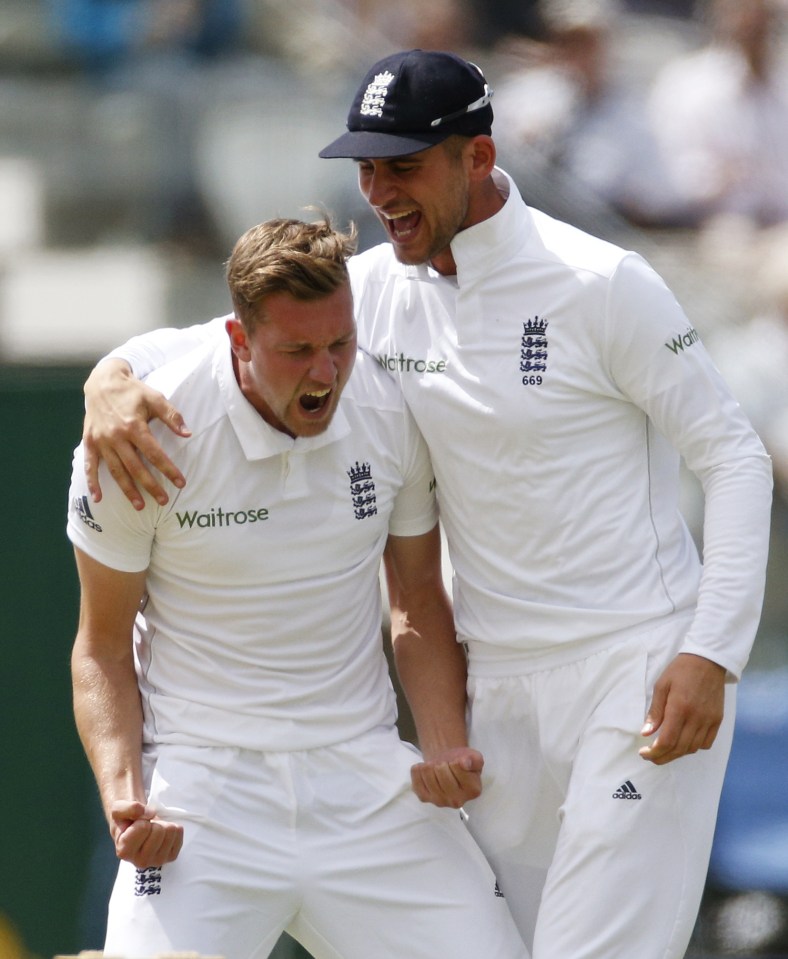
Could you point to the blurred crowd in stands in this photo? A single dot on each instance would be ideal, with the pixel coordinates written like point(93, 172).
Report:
point(176, 124)
point(167, 127)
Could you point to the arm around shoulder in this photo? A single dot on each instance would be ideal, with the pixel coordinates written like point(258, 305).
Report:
point(118, 409)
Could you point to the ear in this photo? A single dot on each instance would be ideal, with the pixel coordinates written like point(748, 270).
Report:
point(482, 156)
point(239, 341)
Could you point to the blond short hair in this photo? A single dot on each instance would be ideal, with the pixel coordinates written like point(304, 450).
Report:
point(306, 260)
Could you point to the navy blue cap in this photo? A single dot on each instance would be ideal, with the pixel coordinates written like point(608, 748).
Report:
point(412, 100)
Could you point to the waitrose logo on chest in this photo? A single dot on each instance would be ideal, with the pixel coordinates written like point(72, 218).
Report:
point(216, 516)
point(399, 363)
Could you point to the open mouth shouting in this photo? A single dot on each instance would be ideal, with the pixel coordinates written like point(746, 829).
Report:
point(401, 226)
point(314, 401)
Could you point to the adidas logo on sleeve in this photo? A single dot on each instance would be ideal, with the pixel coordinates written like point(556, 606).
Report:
point(82, 509)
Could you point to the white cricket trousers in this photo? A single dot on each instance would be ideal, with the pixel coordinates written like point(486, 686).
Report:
point(600, 854)
point(329, 844)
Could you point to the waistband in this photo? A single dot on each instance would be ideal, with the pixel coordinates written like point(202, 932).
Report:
point(486, 659)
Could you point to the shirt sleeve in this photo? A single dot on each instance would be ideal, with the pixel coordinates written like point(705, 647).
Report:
point(149, 351)
point(111, 531)
point(659, 363)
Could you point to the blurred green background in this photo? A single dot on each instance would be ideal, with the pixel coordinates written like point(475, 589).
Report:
point(47, 784)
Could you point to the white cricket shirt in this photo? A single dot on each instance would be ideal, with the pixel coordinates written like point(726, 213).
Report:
point(556, 381)
point(262, 625)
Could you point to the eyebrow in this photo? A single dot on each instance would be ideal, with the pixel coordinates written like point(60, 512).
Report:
point(308, 343)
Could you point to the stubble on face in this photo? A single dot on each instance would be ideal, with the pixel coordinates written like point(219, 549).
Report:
point(425, 203)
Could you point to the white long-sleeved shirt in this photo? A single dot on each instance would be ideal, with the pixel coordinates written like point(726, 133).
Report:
point(558, 382)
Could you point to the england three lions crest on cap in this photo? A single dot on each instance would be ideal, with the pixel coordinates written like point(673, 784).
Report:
point(375, 95)
point(412, 100)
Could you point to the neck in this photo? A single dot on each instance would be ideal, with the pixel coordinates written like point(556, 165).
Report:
point(484, 203)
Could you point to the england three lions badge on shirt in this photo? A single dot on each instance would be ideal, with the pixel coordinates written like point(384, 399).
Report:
point(533, 350)
point(362, 490)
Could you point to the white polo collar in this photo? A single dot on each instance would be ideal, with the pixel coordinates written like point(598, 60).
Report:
point(258, 438)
